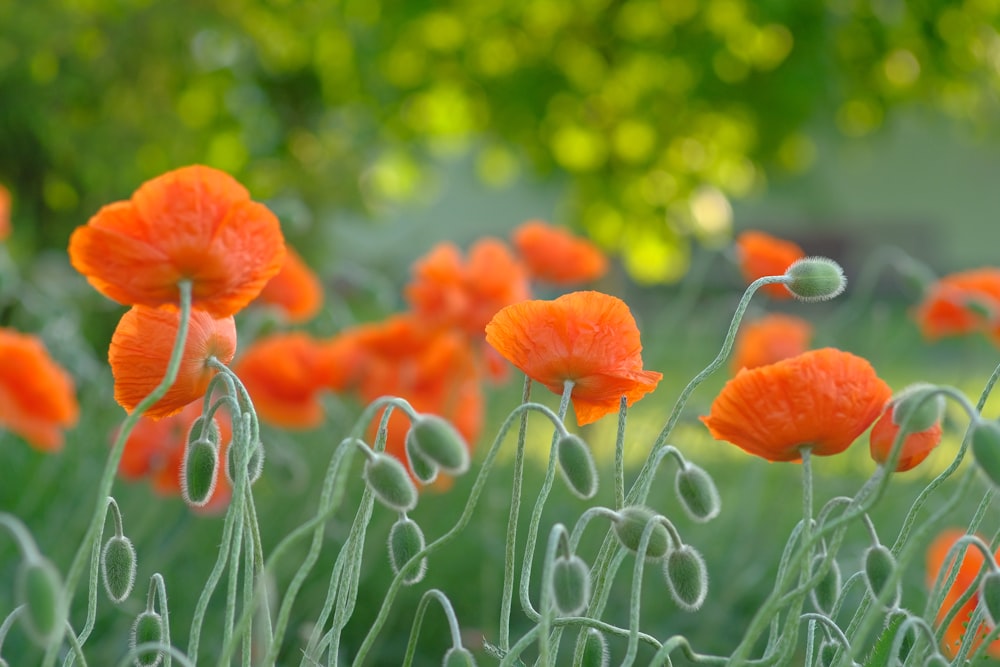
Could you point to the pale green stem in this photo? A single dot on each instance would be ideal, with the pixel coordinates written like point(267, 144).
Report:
point(449, 612)
point(620, 454)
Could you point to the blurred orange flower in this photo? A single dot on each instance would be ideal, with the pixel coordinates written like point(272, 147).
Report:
point(823, 399)
point(140, 351)
point(4, 212)
point(37, 397)
point(281, 374)
point(916, 447)
point(295, 290)
point(761, 255)
point(556, 256)
point(770, 339)
point(195, 223)
point(962, 303)
point(587, 337)
point(970, 564)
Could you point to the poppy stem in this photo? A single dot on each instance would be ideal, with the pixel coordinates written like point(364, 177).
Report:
point(507, 598)
point(418, 619)
point(620, 454)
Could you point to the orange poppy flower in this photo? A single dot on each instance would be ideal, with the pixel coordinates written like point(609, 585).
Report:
point(969, 567)
point(4, 212)
point(961, 303)
point(556, 256)
point(281, 374)
point(447, 291)
point(195, 223)
point(37, 397)
point(761, 255)
point(770, 339)
point(823, 399)
point(587, 337)
point(916, 447)
point(296, 289)
point(140, 351)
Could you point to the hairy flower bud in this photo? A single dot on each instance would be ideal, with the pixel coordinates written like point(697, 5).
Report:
point(577, 466)
point(118, 565)
point(440, 443)
point(425, 470)
point(391, 484)
point(697, 493)
point(986, 448)
point(595, 649)
point(918, 407)
point(687, 577)
point(629, 525)
point(570, 585)
point(815, 279)
point(203, 429)
point(39, 588)
point(148, 627)
point(198, 472)
point(255, 463)
point(406, 539)
point(459, 656)
point(879, 566)
point(827, 590)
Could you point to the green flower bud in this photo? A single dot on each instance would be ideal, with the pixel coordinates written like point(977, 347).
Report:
point(827, 590)
point(912, 407)
point(815, 279)
point(405, 541)
point(118, 567)
point(148, 627)
point(989, 595)
point(39, 588)
point(570, 585)
point(391, 484)
point(687, 577)
point(595, 649)
point(879, 566)
point(255, 464)
point(827, 650)
point(459, 656)
point(577, 466)
point(630, 524)
point(425, 470)
point(986, 448)
point(198, 472)
point(697, 493)
point(203, 429)
point(440, 443)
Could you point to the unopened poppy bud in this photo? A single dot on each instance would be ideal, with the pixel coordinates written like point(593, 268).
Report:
point(989, 595)
point(459, 656)
point(204, 429)
point(687, 577)
point(815, 279)
point(118, 567)
point(577, 466)
point(629, 525)
point(405, 541)
point(570, 585)
point(391, 484)
point(697, 493)
point(912, 407)
point(198, 472)
point(255, 463)
point(425, 470)
point(827, 589)
point(148, 627)
point(986, 448)
point(39, 589)
point(595, 649)
point(879, 566)
point(440, 443)
point(827, 651)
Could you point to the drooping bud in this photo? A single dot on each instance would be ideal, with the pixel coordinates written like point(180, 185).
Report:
point(199, 472)
point(440, 443)
point(827, 590)
point(148, 627)
point(577, 466)
point(827, 651)
point(570, 585)
point(687, 577)
point(459, 656)
point(697, 492)
point(986, 448)
point(118, 566)
point(389, 481)
point(255, 464)
point(422, 468)
point(989, 595)
point(406, 539)
point(879, 566)
point(39, 588)
point(815, 279)
point(918, 407)
point(595, 649)
point(629, 525)
point(204, 429)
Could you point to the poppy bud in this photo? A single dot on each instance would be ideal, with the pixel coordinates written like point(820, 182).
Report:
point(255, 464)
point(989, 595)
point(118, 567)
point(879, 566)
point(203, 429)
point(422, 468)
point(39, 588)
point(595, 649)
point(827, 589)
point(986, 448)
point(577, 466)
point(458, 656)
point(440, 443)
point(912, 408)
point(405, 541)
point(815, 279)
point(570, 585)
point(389, 481)
point(629, 526)
point(827, 651)
point(687, 577)
point(198, 472)
point(148, 627)
point(697, 493)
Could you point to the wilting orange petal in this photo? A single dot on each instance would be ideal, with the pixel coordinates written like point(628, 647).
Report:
point(281, 374)
point(761, 255)
point(916, 446)
point(770, 339)
point(295, 290)
point(556, 256)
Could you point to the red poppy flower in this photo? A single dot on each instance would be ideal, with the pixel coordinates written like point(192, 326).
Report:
point(37, 397)
point(970, 564)
point(761, 255)
point(962, 303)
point(916, 447)
point(770, 339)
point(281, 374)
point(556, 256)
point(140, 351)
point(587, 337)
point(823, 399)
point(194, 223)
point(296, 289)
point(4, 212)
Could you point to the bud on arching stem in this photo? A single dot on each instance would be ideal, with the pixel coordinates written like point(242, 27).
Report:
point(388, 480)
point(406, 539)
point(986, 448)
point(815, 279)
point(440, 443)
point(687, 577)
point(577, 466)
point(629, 525)
point(697, 492)
point(570, 584)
